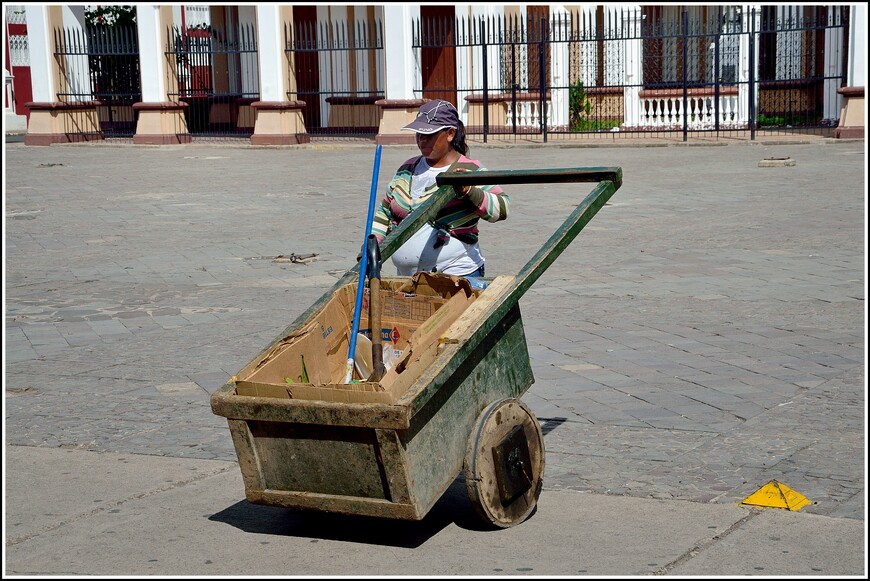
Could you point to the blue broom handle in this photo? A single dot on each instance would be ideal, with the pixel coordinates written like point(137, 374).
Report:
point(363, 267)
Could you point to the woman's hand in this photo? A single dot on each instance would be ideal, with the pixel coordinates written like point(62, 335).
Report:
point(461, 191)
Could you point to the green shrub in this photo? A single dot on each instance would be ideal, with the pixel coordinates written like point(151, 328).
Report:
point(580, 111)
point(579, 106)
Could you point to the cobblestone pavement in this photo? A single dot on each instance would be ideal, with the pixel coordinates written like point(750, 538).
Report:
point(704, 335)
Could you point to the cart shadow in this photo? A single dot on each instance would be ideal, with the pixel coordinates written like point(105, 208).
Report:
point(452, 508)
point(550, 424)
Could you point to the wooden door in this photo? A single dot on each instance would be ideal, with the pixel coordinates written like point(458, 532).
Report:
point(537, 19)
point(307, 69)
point(438, 52)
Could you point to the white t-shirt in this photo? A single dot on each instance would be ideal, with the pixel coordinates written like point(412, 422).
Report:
point(418, 252)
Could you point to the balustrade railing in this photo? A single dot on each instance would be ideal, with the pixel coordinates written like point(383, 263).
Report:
point(699, 111)
point(527, 113)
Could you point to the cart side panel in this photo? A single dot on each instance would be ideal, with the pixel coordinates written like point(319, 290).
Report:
point(365, 485)
point(438, 437)
point(331, 460)
point(249, 463)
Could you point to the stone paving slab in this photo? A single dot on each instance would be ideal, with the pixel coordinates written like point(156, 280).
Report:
point(711, 317)
point(137, 514)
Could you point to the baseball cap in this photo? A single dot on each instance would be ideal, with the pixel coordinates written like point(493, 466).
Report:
point(433, 117)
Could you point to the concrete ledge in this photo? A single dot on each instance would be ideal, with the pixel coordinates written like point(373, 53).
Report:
point(852, 120)
point(279, 123)
point(161, 123)
point(60, 122)
point(395, 114)
point(161, 139)
point(275, 139)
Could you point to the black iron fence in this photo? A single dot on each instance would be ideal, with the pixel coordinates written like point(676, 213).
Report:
point(339, 74)
point(100, 69)
point(647, 71)
point(217, 75)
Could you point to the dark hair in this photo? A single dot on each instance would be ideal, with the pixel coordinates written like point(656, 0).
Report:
point(458, 142)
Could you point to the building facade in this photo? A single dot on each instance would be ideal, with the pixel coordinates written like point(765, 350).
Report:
point(274, 74)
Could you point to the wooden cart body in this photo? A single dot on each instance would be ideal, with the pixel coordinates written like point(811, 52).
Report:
point(396, 460)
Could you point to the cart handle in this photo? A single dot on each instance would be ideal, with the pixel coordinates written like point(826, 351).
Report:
point(425, 386)
point(609, 178)
point(531, 176)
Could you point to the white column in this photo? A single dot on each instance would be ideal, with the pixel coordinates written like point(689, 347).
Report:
point(40, 43)
point(487, 12)
point(589, 50)
point(743, 64)
point(633, 70)
point(152, 63)
point(377, 29)
point(332, 61)
point(273, 69)
point(749, 24)
point(359, 58)
point(857, 76)
point(833, 47)
point(466, 57)
point(397, 51)
point(76, 69)
point(52, 121)
point(248, 80)
point(557, 108)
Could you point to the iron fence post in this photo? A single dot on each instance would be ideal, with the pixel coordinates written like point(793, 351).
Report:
point(542, 83)
point(716, 71)
point(514, 84)
point(485, 78)
point(752, 111)
point(684, 25)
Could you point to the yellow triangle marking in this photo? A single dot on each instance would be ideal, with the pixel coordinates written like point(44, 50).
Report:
point(777, 495)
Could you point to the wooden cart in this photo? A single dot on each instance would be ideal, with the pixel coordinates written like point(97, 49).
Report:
point(396, 460)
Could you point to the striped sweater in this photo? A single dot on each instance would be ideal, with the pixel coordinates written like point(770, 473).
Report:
point(459, 216)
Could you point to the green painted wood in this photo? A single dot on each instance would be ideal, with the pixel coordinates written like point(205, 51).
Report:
point(437, 441)
point(393, 459)
point(249, 462)
point(430, 208)
point(364, 415)
point(329, 460)
point(428, 383)
point(337, 504)
point(532, 176)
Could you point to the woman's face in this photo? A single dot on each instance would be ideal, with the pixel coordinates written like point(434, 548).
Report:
point(436, 146)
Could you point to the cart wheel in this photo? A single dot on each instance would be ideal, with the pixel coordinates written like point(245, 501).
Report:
point(504, 463)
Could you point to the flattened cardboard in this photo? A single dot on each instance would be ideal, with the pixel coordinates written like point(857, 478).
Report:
point(422, 347)
point(414, 323)
point(401, 314)
point(437, 285)
point(302, 360)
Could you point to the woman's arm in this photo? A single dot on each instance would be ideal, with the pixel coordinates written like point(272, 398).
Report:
point(491, 202)
point(396, 203)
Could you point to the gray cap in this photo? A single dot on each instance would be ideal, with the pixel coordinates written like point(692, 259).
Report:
point(433, 117)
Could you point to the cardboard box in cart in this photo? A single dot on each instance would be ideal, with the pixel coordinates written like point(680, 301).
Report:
point(310, 363)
